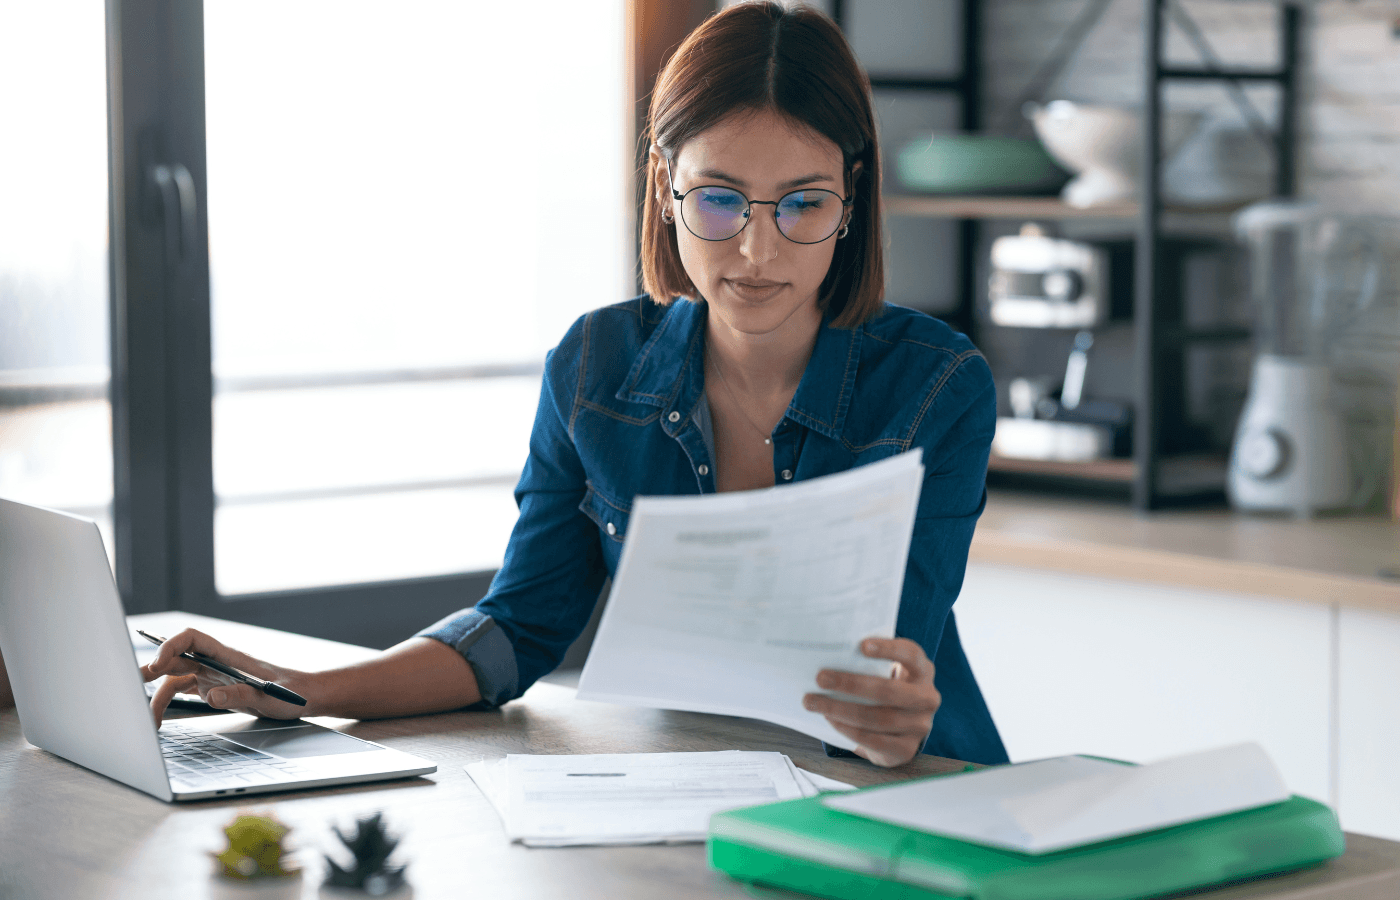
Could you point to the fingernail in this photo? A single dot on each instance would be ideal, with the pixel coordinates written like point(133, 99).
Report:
point(868, 646)
point(217, 696)
point(823, 680)
point(809, 703)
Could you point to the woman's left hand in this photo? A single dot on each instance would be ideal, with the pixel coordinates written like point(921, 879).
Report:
point(892, 731)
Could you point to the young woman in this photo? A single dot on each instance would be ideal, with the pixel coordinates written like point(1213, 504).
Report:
point(762, 354)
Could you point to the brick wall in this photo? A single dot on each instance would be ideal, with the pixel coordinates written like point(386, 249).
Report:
point(1352, 101)
point(1349, 150)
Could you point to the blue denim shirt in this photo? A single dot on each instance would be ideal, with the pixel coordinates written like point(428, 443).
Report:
point(617, 418)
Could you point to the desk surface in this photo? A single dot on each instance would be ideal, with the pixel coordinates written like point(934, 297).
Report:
point(68, 833)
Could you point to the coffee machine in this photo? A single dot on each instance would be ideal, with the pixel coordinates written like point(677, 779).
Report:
point(1064, 292)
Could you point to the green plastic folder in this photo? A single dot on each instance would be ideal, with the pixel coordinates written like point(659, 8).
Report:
point(802, 845)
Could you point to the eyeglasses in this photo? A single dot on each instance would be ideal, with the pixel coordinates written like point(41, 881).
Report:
point(715, 213)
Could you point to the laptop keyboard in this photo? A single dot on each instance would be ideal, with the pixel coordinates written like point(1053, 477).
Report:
point(202, 761)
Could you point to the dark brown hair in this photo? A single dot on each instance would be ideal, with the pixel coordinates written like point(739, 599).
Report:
point(759, 56)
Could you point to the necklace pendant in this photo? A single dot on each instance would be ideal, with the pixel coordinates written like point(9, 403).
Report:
point(767, 440)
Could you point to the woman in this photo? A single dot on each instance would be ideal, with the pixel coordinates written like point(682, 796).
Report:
point(762, 354)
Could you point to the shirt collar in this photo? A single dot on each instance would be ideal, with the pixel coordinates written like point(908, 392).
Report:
point(669, 372)
point(824, 393)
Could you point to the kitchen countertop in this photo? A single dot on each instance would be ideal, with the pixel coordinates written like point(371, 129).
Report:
point(1348, 560)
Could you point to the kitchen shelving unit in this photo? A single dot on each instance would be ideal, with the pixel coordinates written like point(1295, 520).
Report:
point(1155, 479)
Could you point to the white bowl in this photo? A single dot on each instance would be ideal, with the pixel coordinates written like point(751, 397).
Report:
point(1103, 144)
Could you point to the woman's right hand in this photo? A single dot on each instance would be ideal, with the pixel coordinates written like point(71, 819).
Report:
point(218, 690)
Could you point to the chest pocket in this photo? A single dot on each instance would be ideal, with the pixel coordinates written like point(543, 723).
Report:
point(609, 515)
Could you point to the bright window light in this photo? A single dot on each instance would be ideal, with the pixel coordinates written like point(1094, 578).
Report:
point(409, 202)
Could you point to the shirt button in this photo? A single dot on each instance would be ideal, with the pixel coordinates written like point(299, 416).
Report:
point(612, 529)
point(787, 474)
point(674, 416)
point(703, 469)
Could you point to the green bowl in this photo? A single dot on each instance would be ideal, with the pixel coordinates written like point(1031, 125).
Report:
point(978, 164)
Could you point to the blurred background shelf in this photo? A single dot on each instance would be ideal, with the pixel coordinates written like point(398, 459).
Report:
point(980, 207)
point(1175, 219)
point(1110, 470)
point(1180, 476)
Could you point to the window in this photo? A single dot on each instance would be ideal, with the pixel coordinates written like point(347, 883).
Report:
point(377, 341)
point(55, 420)
point(347, 246)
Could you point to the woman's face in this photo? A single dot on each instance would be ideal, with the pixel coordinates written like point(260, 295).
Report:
point(758, 282)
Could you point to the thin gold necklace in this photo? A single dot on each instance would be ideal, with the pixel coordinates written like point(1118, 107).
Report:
point(737, 405)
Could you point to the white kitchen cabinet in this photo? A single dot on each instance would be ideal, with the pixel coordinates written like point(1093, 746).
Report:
point(1137, 671)
point(1369, 722)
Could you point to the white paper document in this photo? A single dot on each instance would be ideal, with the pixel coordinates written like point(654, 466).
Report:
point(731, 603)
point(1053, 804)
point(634, 798)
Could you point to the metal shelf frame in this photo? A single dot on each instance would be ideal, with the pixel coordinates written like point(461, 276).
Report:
point(1158, 341)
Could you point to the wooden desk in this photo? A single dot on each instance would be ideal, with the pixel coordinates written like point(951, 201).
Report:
point(68, 834)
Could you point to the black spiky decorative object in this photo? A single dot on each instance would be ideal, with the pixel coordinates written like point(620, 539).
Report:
point(371, 845)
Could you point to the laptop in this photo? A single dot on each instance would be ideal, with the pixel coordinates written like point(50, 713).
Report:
point(64, 636)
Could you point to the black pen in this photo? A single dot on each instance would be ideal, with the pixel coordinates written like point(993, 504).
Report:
point(267, 687)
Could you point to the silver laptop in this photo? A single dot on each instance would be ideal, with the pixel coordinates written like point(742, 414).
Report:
point(79, 693)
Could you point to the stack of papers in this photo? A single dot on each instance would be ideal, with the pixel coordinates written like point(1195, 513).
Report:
point(1071, 801)
point(731, 603)
point(634, 798)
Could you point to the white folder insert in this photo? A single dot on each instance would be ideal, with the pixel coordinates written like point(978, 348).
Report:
point(1053, 804)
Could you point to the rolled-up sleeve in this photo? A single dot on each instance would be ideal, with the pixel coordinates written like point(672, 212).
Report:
point(474, 634)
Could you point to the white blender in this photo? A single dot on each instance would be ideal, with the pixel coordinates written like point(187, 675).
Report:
point(1309, 271)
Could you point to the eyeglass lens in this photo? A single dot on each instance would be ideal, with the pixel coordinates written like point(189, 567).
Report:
point(804, 217)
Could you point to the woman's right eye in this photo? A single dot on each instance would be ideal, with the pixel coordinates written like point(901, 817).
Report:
point(721, 200)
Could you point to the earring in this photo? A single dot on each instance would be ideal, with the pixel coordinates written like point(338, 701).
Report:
point(845, 230)
point(668, 217)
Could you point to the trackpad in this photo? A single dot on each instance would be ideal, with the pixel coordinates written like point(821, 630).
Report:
point(294, 741)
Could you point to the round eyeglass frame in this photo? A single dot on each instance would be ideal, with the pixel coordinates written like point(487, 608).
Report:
point(846, 203)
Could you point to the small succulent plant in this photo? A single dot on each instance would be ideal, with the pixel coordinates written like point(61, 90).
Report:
point(254, 849)
point(371, 846)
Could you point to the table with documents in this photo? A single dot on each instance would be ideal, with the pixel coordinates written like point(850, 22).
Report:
point(68, 834)
point(570, 800)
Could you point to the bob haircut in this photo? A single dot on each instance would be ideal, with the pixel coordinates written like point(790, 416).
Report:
point(761, 56)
